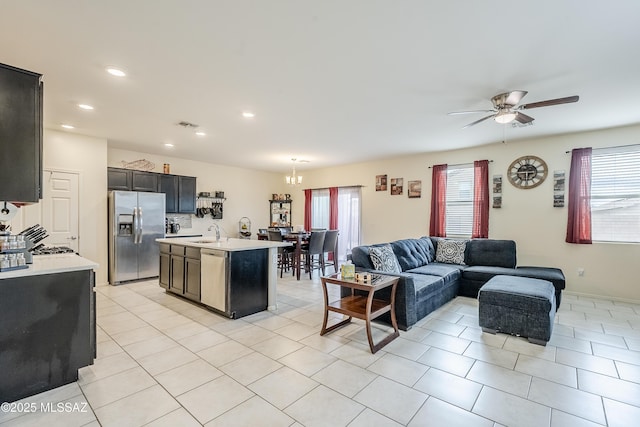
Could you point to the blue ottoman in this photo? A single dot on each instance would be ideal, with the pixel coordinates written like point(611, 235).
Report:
point(519, 306)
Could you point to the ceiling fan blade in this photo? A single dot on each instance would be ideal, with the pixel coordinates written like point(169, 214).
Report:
point(515, 96)
point(549, 102)
point(523, 118)
point(478, 121)
point(470, 112)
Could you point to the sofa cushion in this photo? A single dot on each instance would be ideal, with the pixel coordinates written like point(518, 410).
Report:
point(425, 285)
point(360, 256)
point(480, 273)
point(491, 252)
point(384, 259)
point(451, 251)
point(448, 272)
point(412, 253)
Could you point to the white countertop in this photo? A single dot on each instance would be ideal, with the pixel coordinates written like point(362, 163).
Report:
point(224, 244)
point(48, 264)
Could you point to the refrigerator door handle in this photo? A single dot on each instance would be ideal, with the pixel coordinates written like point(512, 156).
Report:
point(135, 226)
point(140, 225)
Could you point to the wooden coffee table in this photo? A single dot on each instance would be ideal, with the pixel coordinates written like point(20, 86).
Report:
point(361, 306)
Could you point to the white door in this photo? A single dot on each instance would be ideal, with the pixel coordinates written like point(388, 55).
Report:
point(60, 209)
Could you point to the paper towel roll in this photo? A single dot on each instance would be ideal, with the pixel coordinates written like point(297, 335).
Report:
point(7, 211)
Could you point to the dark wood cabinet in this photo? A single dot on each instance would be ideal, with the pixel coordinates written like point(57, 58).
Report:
point(186, 194)
point(169, 186)
point(176, 284)
point(20, 135)
point(119, 179)
point(192, 274)
point(144, 181)
point(180, 191)
point(180, 270)
point(165, 265)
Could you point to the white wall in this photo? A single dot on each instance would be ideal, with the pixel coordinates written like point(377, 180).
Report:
point(86, 156)
point(247, 191)
point(526, 216)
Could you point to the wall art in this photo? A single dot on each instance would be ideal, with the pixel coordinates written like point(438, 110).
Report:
point(497, 191)
point(397, 186)
point(558, 189)
point(414, 189)
point(381, 182)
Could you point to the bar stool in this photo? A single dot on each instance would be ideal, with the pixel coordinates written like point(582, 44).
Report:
point(284, 254)
point(330, 247)
point(313, 249)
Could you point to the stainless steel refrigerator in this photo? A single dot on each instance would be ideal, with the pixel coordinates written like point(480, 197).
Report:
point(136, 220)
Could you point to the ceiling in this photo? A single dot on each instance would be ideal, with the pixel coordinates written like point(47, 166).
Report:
point(331, 82)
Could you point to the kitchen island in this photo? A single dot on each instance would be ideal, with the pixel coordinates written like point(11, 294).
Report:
point(234, 277)
point(48, 324)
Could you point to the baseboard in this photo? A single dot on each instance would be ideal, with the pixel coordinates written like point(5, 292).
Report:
point(601, 297)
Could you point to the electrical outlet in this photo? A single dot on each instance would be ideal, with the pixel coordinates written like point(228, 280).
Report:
point(581, 272)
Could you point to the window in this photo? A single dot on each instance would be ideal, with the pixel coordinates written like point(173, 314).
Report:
point(320, 208)
point(348, 216)
point(615, 194)
point(459, 210)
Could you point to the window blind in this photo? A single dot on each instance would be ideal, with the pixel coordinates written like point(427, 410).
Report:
point(615, 194)
point(459, 211)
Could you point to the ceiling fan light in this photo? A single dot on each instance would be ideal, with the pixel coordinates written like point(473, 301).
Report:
point(505, 117)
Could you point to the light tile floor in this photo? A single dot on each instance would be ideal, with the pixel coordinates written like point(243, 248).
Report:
point(163, 361)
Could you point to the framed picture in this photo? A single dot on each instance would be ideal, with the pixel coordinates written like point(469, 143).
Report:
point(381, 182)
point(497, 191)
point(414, 189)
point(396, 186)
point(558, 189)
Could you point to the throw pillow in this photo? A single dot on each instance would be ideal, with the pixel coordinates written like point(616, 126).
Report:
point(451, 251)
point(384, 259)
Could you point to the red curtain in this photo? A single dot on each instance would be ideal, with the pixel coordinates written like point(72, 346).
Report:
point(579, 218)
point(437, 225)
point(333, 208)
point(307, 209)
point(480, 226)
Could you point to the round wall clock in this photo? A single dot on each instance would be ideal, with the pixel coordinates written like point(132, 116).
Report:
point(527, 172)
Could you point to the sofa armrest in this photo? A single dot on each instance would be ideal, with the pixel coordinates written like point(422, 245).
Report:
point(406, 314)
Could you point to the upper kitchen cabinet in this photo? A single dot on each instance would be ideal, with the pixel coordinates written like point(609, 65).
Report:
point(180, 191)
point(169, 186)
point(186, 194)
point(132, 180)
point(119, 179)
point(20, 135)
point(144, 181)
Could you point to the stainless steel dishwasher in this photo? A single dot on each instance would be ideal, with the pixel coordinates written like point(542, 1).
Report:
point(213, 282)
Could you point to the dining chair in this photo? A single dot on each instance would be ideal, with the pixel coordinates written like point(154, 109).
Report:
point(313, 249)
point(284, 254)
point(330, 247)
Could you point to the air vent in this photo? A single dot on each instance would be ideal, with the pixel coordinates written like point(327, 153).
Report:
point(187, 125)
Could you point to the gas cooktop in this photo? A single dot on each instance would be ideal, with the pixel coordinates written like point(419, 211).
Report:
point(48, 250)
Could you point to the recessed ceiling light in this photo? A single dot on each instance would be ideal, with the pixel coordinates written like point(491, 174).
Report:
point(85, 106)
point(168, 145)
point(248, 115)
point(116, 72)
point(68, 126)
point(200, 133)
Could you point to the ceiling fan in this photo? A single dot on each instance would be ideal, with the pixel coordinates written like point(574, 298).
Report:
point(506, 108)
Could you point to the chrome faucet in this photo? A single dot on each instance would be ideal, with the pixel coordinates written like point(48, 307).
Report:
point(217, 227)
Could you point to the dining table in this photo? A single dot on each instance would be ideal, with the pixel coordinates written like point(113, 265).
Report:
point(298, 239)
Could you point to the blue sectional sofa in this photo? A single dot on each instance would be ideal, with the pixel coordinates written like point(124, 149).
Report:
point(426, 283)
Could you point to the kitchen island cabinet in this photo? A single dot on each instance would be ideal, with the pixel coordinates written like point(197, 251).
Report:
point(48, 324)
point(234, 277)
